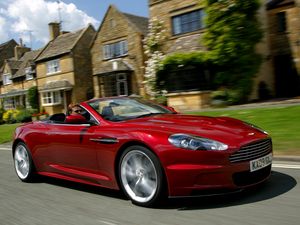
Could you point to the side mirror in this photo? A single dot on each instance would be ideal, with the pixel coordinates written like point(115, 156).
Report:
point(75, 119)
point(171, 109)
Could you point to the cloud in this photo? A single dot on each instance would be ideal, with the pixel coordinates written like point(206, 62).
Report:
point(29, 19)
point(3, 35)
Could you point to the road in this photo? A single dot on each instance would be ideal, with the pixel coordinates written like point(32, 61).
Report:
point(55, 202)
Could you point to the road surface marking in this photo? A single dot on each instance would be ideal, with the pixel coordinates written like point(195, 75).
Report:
point(5, 149)
point(286, 166)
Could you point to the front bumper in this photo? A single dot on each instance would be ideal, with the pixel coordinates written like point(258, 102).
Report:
point(191, 179)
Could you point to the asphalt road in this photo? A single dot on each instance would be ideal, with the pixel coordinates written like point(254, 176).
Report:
point(55, 202)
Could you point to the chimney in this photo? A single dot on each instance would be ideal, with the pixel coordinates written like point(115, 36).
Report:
point(54, 30)
point(20, 50)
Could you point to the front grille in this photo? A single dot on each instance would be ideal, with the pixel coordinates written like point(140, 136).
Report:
point(247, 178)
point(252, 151)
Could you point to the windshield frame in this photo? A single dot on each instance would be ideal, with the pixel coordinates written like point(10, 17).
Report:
point(126, 108)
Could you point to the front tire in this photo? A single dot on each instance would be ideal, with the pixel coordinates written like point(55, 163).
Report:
point(23, 163)
point(141, 176)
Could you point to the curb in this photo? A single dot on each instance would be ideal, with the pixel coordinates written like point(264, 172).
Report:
point(290, 158)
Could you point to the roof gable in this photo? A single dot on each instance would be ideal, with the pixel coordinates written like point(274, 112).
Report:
point(139, 23)
point(26, 61)
point(61, 45)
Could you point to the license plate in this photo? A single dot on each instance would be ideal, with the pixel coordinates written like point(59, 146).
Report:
point(260, 162)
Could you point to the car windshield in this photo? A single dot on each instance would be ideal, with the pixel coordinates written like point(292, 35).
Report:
point(119, 109)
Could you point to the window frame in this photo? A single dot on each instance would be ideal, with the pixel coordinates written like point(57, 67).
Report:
point(187, 22)
point(6, 77)
point(53, 98)
point(53, 66)
point(28, 73)
point(281, 22)
point(115, 50)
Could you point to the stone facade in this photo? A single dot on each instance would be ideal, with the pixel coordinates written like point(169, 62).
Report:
point(165, 11)
point(72, 82)
point(284, 41)
point(119, 70)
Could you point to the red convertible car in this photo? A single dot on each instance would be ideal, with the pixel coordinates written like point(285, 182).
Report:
point(146, 150)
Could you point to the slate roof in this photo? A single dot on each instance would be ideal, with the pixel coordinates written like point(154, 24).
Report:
point(13, 64)
point(140, 22)
point(56, 85)
point(27, 60)
point(187, 44)
point(121, 66)
point(61, 45)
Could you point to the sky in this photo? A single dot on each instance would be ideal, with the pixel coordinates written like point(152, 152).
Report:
point(28, 19)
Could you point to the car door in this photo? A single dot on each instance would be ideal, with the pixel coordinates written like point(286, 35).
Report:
point(70, 151)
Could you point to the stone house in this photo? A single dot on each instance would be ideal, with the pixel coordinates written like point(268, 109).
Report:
point(284, 31)
point(117, 54)
point(6, 52)
point(63, 67)
point(184, 22)
point(184, 25)
point(18, 76)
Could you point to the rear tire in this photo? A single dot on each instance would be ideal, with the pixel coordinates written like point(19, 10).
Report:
point(141, 176)
point(23, 163)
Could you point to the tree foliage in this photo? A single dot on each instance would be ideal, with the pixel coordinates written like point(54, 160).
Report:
point(33, 98)
point(233, 30)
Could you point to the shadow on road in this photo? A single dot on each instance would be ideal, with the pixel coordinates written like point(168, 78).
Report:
point(278, 184)
point(83, 187)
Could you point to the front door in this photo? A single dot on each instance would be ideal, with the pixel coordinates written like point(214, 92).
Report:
point(122, 85)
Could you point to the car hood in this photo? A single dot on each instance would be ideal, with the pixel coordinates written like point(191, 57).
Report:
point(228, 130)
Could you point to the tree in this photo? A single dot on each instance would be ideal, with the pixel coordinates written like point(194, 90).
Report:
point(233, 30)
point(33, 98)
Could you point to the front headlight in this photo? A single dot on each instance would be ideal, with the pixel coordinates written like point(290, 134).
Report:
point(196, 143)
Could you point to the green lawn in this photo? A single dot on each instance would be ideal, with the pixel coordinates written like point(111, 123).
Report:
point(282, 123)
point(6, 132)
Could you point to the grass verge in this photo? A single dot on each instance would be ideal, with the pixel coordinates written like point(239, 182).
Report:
point(6, 132)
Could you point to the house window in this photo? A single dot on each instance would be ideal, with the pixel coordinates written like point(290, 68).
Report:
point(7, 79)
point(9, 103)
point(188, 79)
point(13, 102)
point(53, 66)
point(51, 98)
point(28, 73)
point(188, 22)
point(281, 22)
point(115, 50)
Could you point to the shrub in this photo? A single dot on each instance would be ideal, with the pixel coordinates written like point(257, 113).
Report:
point(23, 116)
point(20, 116)
point(8, 116)
point(1, 115)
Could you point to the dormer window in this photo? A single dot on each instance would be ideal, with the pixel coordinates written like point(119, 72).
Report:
point(53, 66)
point(7, 79)
point(28, 73)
